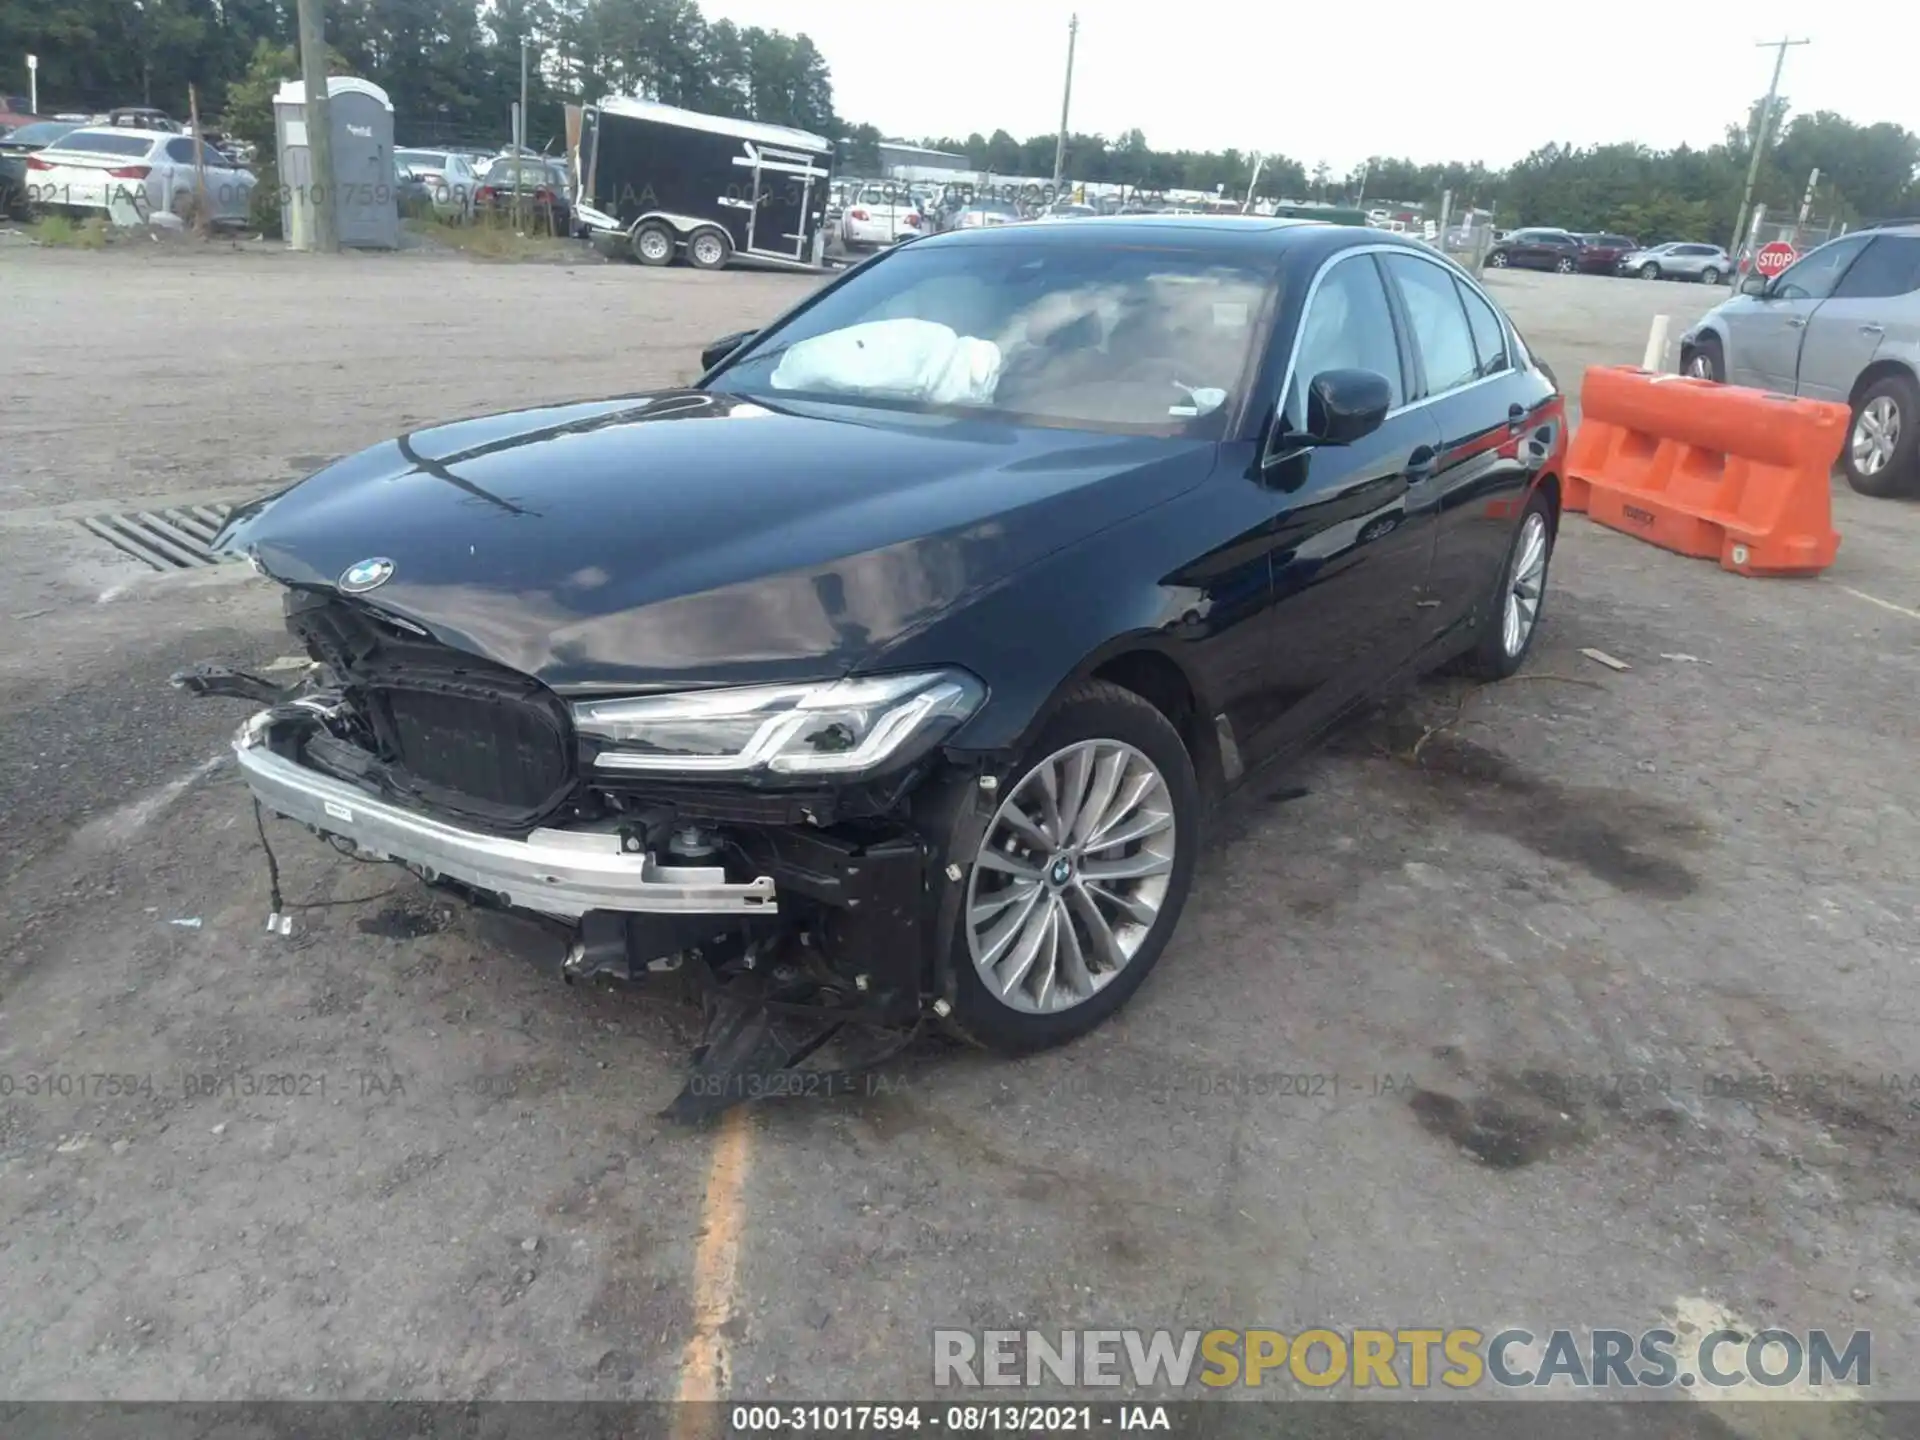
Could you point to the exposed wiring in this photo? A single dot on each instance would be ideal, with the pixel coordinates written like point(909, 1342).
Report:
point(280, 916)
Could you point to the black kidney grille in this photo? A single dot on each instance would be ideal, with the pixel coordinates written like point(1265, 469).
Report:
point(504, 752)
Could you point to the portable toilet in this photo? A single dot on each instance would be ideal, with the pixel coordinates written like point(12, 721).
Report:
point(365, 201)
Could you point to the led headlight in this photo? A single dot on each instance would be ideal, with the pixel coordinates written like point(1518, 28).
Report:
point(839, 727)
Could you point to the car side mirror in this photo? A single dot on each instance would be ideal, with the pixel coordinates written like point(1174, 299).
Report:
point(1754, 285)
point(723, 347)
point(1346, 405)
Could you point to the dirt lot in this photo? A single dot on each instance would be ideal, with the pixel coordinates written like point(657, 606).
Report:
point(390, 1157)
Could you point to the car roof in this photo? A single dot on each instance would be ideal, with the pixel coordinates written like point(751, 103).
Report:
point(1250, 235)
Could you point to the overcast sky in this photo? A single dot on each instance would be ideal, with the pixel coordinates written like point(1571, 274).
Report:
point(1341, 81)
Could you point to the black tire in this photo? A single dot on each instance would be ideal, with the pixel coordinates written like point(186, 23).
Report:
point(654, 244)
point(1565, 265)
point(1710, 276)
point(709, 249)
point(1706, 355)
point(1490, 658)
point(1497, 260)
point(1900, 476)
point(1649, 271)
point(1092, 710)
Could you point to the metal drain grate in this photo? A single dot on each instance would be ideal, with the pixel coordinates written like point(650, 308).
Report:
point(172, 539)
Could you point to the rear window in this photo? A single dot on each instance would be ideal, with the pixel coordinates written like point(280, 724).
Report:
point(102, 142)
point(421, 157)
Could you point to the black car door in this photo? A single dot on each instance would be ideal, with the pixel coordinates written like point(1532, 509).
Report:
point(1354, 523)
point(1486, 407)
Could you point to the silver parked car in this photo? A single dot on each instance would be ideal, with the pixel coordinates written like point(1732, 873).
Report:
point(1842, 323)
point(1678, 260)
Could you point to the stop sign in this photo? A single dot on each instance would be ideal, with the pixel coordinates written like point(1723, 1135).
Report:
point(1774, 257)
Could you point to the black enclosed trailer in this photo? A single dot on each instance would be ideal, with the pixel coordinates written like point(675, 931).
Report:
point(669, 181)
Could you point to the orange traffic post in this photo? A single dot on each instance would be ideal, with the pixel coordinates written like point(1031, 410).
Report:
point(1717, 471)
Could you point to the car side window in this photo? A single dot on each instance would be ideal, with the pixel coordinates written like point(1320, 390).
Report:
point(1348, 326)
point(180, 151)
point(1439, 322)
point(1814, 277)
point(1890, 265)
point(1489, 335)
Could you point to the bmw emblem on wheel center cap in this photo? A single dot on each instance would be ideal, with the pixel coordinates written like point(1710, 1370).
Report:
point(1061, 872)
point(366, 574)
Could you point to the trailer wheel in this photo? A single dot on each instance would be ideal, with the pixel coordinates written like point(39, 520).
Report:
point(653, 245)
point(709, 250)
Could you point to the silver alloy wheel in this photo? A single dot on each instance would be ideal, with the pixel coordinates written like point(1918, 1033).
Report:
point(1710, 276)
point(654, 244)
point(1498, 260)
point(1876, 434)
point(1700, 367)
point(708, 250)
point(1525, 584)
point(1070, 876)
point(1564, 265)
point(1649, 271)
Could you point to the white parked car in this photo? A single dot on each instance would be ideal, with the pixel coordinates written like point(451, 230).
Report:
point(879, 215)
point(101, 171)
point(451, 178)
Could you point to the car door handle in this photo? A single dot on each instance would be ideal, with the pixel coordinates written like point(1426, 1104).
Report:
point(1422, 464)
point(1795, 322)
point(1873, 329)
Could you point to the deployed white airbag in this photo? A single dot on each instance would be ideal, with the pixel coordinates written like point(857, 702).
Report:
point(903, 359)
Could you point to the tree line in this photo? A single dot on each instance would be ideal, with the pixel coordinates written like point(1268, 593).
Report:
point(452, 68)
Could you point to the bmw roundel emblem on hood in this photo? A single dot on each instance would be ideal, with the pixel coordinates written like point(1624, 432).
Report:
point(366, 574)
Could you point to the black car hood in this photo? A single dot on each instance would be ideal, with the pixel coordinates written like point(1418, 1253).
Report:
point(688, 537)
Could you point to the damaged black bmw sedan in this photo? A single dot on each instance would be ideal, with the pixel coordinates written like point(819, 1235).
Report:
point(887, 672)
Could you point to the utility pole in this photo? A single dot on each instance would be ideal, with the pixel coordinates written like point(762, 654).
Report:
point(520, 139)
point(1066, 99)
point(322, 187)
point(1780, 48)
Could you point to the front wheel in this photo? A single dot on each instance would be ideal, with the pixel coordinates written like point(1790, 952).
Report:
point(1080, 878)
point(1564, 265)
point(1707, 361)
point(653, 245)
point(1649, 271)
point(1880, 457)
point(1507, 630)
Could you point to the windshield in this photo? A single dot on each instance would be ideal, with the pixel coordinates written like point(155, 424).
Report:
point(1123, 339)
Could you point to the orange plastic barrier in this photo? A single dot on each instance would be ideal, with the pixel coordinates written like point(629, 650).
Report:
point(1718, 471)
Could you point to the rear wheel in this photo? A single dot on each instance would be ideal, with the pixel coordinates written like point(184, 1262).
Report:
point(1882, 442)
point(653, 245)
point(1507, 631)
point(708, 250)
point(1080, 879)
point(1710, 276)
point(1497, 260)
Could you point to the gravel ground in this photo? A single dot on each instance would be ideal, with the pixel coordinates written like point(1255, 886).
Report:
point(1507, 938)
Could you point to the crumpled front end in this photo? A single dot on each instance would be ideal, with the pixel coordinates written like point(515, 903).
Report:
point(793, 893)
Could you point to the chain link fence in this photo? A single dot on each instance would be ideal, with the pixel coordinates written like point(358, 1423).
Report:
point(1801, 236)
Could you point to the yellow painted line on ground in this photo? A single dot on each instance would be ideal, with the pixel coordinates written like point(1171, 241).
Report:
point(1883, 604)
point(706, 1365)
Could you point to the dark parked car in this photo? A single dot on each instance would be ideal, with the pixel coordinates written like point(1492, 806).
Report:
point(885, 674)
point(542, 193)
point(1600, 254)
point(1538, 249)
point(15, 146)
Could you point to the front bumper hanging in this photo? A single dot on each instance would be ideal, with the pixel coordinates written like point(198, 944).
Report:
point(563, 873)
